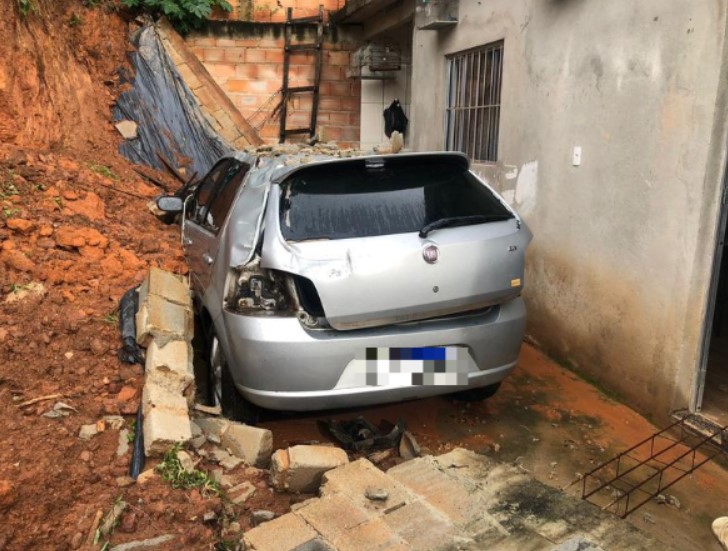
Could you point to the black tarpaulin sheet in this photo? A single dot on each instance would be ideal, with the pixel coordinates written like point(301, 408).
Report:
point(169, 119)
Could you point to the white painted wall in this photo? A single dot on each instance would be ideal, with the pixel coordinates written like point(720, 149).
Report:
point(618, 272)
point(377, 95)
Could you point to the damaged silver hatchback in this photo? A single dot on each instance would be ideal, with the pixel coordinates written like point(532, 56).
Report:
point(340, 282)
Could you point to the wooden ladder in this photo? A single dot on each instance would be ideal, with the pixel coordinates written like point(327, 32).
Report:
point(289, 49)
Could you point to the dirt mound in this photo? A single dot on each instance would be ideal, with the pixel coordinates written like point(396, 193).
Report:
point(57, 75)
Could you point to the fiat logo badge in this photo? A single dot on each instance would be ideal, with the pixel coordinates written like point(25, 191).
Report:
point(430, 254)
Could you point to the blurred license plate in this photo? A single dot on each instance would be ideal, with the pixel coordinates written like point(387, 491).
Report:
point(438, 365)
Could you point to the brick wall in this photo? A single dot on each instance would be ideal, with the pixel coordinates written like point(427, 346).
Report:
point(274, 11)
point(246, 61)
point(215, 104)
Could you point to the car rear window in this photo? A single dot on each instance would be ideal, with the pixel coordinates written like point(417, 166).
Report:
point(373, 197)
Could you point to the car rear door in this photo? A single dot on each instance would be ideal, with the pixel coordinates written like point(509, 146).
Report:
point(205, 214)
point(359, 234)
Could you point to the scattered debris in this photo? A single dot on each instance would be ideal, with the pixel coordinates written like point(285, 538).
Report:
point(112, 517)
point(143, 544)
point(128, 129)
point(381, 456)
point(376, 494)
point(361, 435)
point(241, 493)
point(408, 446)
point(40, 399)
point(123, 448)
point(60, 409)
point(87, 432)
point(261, 516)
point(185, 461)
point(648, 518)
point(300, 468)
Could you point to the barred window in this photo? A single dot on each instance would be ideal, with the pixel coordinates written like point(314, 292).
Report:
point(473, 108)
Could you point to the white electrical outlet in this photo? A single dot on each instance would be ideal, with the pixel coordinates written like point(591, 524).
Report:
point(576, 159)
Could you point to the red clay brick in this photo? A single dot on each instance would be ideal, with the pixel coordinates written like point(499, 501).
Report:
point(330, 133)
point(339, 117)
point(350, 133)
point(200, 41)
point(221, 70)
point(331, 104)
point(351, 104)
point(274, 56)
point(337, 58)
point(234, 55)
point(234, 85)
point(254, 55)
point(246, 71)
point(225, 42)
point(330, 72)
point(212, 54)
point(342, 88)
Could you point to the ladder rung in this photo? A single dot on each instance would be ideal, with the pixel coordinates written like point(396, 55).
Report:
point(300, 89)
point(305, 20)
point(297, 131)
point(302, 47)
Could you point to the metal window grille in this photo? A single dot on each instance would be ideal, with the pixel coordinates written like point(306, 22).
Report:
point(474, 97)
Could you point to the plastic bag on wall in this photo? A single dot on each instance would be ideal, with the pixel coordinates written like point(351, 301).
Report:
point(395, 119)
point(167, 114)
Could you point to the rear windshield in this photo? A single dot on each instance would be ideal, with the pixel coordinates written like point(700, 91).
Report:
point(356, 199)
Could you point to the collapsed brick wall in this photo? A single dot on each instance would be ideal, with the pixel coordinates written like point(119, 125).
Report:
point(246, 61)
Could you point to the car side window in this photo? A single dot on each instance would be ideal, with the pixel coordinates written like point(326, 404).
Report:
point(205, 191)
point(225, 194)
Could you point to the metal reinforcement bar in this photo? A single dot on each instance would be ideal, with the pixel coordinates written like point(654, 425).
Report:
point(633, 477)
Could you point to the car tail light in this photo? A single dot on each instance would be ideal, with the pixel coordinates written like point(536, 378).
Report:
point(259, 291)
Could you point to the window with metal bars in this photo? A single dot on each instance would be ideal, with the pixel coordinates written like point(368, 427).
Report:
point(474, 96)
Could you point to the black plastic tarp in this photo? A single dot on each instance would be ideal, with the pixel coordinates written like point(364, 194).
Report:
point(169, 119)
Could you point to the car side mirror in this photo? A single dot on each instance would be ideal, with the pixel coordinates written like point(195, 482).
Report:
point(170, 203)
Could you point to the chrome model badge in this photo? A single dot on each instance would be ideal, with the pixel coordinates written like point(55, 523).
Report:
point(430, 254)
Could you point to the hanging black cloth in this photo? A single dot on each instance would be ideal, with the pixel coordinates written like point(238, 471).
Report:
point(395, 119)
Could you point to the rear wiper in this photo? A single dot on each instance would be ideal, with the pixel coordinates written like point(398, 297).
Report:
point(463, 221)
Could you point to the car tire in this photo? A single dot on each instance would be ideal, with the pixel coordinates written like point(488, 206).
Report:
point(221, 387)
point(477, 394)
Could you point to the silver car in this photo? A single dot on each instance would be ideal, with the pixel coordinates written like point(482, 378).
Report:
point(340, 282)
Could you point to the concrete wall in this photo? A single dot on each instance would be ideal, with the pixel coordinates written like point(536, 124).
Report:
point(246, 61)
point(377, 95)
point(618, 271)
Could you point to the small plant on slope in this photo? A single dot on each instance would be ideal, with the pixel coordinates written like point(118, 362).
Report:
point(185, 15)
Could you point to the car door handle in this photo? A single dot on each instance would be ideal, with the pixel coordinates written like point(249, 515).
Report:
point(187, 241)
point(207, 259)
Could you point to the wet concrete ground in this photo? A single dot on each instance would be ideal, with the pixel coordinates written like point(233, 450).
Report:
point(554, 425)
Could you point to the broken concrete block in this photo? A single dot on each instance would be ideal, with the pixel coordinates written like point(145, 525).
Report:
point(300, 468)
point(87, 432)
point(286, 532)
point(128, 129)
point(212, 426)
point(224, 459)
point(166, 285)
point(162, 430)
point(170, 365)
point(253, 444)
point(241, 493)
point(162, 321)
point(166, 419)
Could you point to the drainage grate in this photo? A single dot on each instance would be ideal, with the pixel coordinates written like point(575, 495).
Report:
point(629, 480)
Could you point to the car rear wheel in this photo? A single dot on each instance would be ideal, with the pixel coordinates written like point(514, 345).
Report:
point(477, 394)
point(221, 388)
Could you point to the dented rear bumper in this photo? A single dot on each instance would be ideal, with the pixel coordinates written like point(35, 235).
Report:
point(278, 364)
